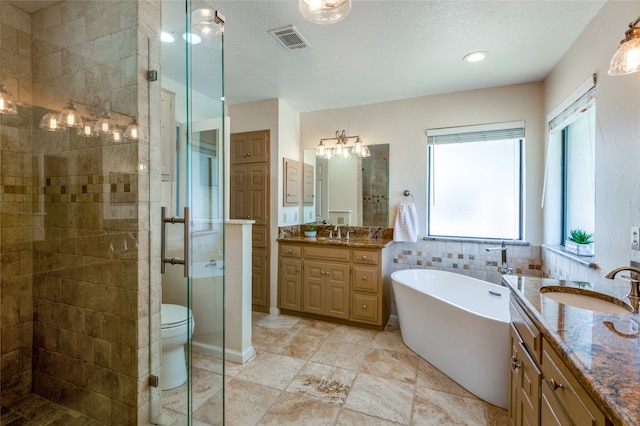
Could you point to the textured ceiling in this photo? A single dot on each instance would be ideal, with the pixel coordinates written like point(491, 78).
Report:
point(387, 50)
point(384, 50)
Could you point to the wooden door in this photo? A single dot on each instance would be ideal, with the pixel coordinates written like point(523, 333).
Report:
point(322, 189)
point(308, 184)
point(291, 182)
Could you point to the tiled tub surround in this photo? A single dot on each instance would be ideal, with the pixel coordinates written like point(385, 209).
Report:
point(468, 258)
point(605, 363)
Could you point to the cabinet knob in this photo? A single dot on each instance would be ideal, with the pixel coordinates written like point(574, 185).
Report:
point(555, 385)
point(297, 269)
point(248, 154)
point(364, 277)
point(364, 257)
point(289, 251)
point(364, 306)
point(514, 363)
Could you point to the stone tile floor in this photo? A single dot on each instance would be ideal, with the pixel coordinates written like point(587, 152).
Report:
point(306, 372)
point(309, 372)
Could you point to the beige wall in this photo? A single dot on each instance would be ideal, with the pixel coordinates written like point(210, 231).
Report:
point(617, 130)
point(403, 125)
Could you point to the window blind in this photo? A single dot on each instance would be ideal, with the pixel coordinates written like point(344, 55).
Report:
point(573, 111)
point(485, 132)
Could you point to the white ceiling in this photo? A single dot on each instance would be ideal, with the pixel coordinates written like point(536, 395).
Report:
point(394, 49)
point(384, 50)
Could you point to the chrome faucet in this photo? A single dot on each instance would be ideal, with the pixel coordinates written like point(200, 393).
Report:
point(338, 236)
point(505, 265)
point(634, 291)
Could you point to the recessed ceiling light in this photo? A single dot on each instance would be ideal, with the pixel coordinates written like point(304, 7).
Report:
point(475, 56)
point(166, 37)
point(192, 38)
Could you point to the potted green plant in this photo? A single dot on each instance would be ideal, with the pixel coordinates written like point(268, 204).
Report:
point(579, 242)
point(310, 231)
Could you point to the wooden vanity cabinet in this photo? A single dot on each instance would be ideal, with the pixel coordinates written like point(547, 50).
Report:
point(334, 282)
point(542, 389)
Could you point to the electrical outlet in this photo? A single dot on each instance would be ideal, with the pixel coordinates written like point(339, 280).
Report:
point(635, 238)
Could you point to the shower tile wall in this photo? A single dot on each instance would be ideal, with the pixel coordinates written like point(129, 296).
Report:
point(16, 209)
point(75, 212)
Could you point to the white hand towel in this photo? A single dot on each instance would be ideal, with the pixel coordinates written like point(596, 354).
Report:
point(406, 227)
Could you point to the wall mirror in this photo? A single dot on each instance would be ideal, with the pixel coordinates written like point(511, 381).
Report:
point(349, 191)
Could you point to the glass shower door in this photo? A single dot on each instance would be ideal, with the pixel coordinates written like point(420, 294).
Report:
point(193, 195)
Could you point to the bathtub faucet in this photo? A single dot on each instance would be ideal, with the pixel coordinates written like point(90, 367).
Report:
point(505, 265)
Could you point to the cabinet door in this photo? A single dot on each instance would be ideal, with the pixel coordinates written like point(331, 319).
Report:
point(291, 182)
point(290, 284)
point(551, 413)
point(249, 193)
point(337, 290)
point(525, 379)
point(308, 184)
point(313, 287)
point(259, 278)
point(249, 147)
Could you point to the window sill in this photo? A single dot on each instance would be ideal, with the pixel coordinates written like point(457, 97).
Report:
point(588, 261)
point(477, 240)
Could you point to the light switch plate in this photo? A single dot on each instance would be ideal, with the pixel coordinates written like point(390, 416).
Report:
point(635, 238)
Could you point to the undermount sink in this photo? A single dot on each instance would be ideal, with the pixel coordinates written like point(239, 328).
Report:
point(586, 299)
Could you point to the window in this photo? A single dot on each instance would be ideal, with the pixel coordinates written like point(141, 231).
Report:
point(577, 137)
point(475, 181)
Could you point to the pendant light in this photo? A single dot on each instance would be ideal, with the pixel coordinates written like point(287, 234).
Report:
point(324, 11)
point(103, 125)
point(7, 106)
point(626, 60)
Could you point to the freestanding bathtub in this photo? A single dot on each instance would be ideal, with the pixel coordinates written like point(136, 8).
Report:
point(458, 324)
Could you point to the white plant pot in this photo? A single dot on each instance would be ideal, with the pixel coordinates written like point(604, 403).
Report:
point(310, 233)
point(579, 249)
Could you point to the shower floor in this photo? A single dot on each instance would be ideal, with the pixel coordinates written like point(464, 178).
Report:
point(35, 410)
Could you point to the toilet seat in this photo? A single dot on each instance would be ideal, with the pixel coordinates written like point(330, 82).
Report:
point(174, 316)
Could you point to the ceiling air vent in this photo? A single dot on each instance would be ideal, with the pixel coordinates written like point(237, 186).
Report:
point(289, 37)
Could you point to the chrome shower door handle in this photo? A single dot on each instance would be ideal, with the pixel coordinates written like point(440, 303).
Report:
point(163, 245)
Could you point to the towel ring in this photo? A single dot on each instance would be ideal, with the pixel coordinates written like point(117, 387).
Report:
point(405, 194)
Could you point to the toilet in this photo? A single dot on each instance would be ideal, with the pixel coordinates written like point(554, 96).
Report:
point(175, 319)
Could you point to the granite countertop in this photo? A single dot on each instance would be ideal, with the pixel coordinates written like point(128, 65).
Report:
point(356, 242)
point(602, 350)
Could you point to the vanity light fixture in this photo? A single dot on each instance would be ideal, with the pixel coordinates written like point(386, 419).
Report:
point(324, 11)
point(341, 149)
point(7, 106)
point(115, 134)
point(103, 125)
point(475, 56)
point(69, 116)
point(626, 60)
point(132, 131)
point(51, 123)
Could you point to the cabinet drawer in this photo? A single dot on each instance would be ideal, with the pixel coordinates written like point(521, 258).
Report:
point(365, 278)
point(364, 308)
point(369, 257)
point(327, 253)
point(290, 250)
point(527, 330)
point(574, 400)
